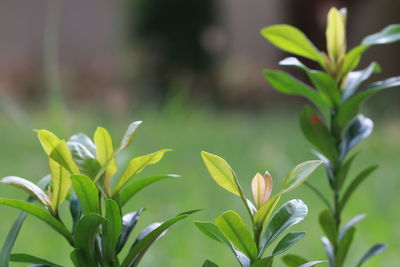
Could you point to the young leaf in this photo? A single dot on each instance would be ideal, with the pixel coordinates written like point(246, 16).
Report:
point(261, 186)
point(221, 172)
point(112, 228)
point(375, 250)
point(26, 258)
point(129, 135)
point(28, 187)
point(232, 226)
point(86, 161)
point(137, 165)
point(353, 58)
point(105, 150)
point(344, 246)
point(48, 140)
point(264, 213)
point(85, 235)
point(209, 263)
point(40, 213)
point(328, 225)
point(136, 186)
point(298, 175)
point(336, 34)
point(287, 242)
point(350, 224)
point(289, 214)
point(86, 192)
point(287, 84)
point(355, 184)
point(60, 183)
point(129, 221)
point(292, 40)
point(292, 260)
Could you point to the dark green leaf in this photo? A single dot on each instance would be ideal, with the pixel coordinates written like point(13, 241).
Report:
point(86, 161)
point(287, 84)
point(133, 188)
point(40, 213)
point(287, 242)
point(26, 258)
point(375, 250)
point(344, 246)
point(233, 228)
point(112, 228)
point(129, 221)
point(209, 263)
point(289, 214)
point(86, 192)
point(78, 258)
point(343, 171)
point(129, 135)
point(328, 225)
point(75, 209)
point(292, 260)
point(329, 251)
point(355, 184)
point(389, 34)
point(350, 224)
point(265, 262)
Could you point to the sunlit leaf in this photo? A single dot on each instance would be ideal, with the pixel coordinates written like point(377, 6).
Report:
point(105, 150)
point(129, 135)
point(336, 34)
point(264, 213)
point(60, 182)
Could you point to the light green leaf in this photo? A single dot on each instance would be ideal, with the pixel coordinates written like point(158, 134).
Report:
point(292, 40)
point(105, 150)
point(28, 187)
point(62, 155)
point(136, 186)
point(292, 260)
point(265, 262)
point(87, 193)
point(40, 213)
point(328, 225)
point(129, 135)
point(209, 263)
point(232, 226)
point(353, 58)
point(60, 182)
point(212, 231)
point(48, 140)
point(137, 165)
point(26, 258)
point(264, 213)
point(336, 34)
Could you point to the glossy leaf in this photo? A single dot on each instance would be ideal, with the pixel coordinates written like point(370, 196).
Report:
point(311, 263)
point(137, 165)
point(129, 135)
point(292, 260)
point(289, 214)
point(264, 213)
point(105, 150)
point(86, 233)
point(261, 186)
point(292, 40)
point(375, 250)
point(355, 184)
point(86, 192)
point(298, 175)
point(209, 263)
point(328, 225)
point(86, 161)
point(137, 185)
point(287, 84)
point(287, 242)
point(62, 155)
point(317, 133)
point(221, 172)
point(335, 34)
point(75, 209)
point(344, 246)
point(329, 251)
point(389, 34)
point(28, 187)
point(60, 182)
point(129, 221)
point(26, 258)
point(84, 140)
point(112, 228)
point(48, 140)
point(232, 226)
point(40, 213)
point(350, 224)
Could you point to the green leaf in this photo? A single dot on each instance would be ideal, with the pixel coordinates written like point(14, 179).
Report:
point(289, 214)
point(344, 246)
point(137, 251)
point(328, 225)
point(112, 228)
point(28, 187)
point(129, 135)
point(26, 258)
point(287, 242)
point(375, 250)
point(129, 221)
point(75, 209)
point(350, 224)
point(265, 262)
point(389, 34)
point(355, 184)
point(40, 213)
point(298, 175)
point(85, 141)
point(353, 58)
point(105, 150)
point(317, 133)
point(292, 40)
point(221, 172)
point(209, 263)
point(343, 171)
point(86, 192)
point(264, 213)
point(287, 84)
point(292, 260)
point(78, 258)
point(86, 233)
point(136, 186)
point(232, 226)
point(212, 231)
point(62, 155)
point(136, 165)
point(335, 34)
point(48, 140)
point(60, 182)
point(86, 161)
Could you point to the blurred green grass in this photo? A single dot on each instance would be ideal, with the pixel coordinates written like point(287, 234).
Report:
point(250, 142)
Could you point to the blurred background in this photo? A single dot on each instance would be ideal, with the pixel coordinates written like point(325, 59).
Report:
point(192, 71)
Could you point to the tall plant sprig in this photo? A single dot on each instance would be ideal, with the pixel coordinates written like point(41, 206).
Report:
point(249, 246)
point(82, 172)
point(335, 125)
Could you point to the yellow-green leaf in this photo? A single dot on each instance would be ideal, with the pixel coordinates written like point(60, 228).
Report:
point(48, 140)
point(221, 172)
point(63, 156)
point(60, 182)
point(105, 150)
point(336, 34)
point(136, 165)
